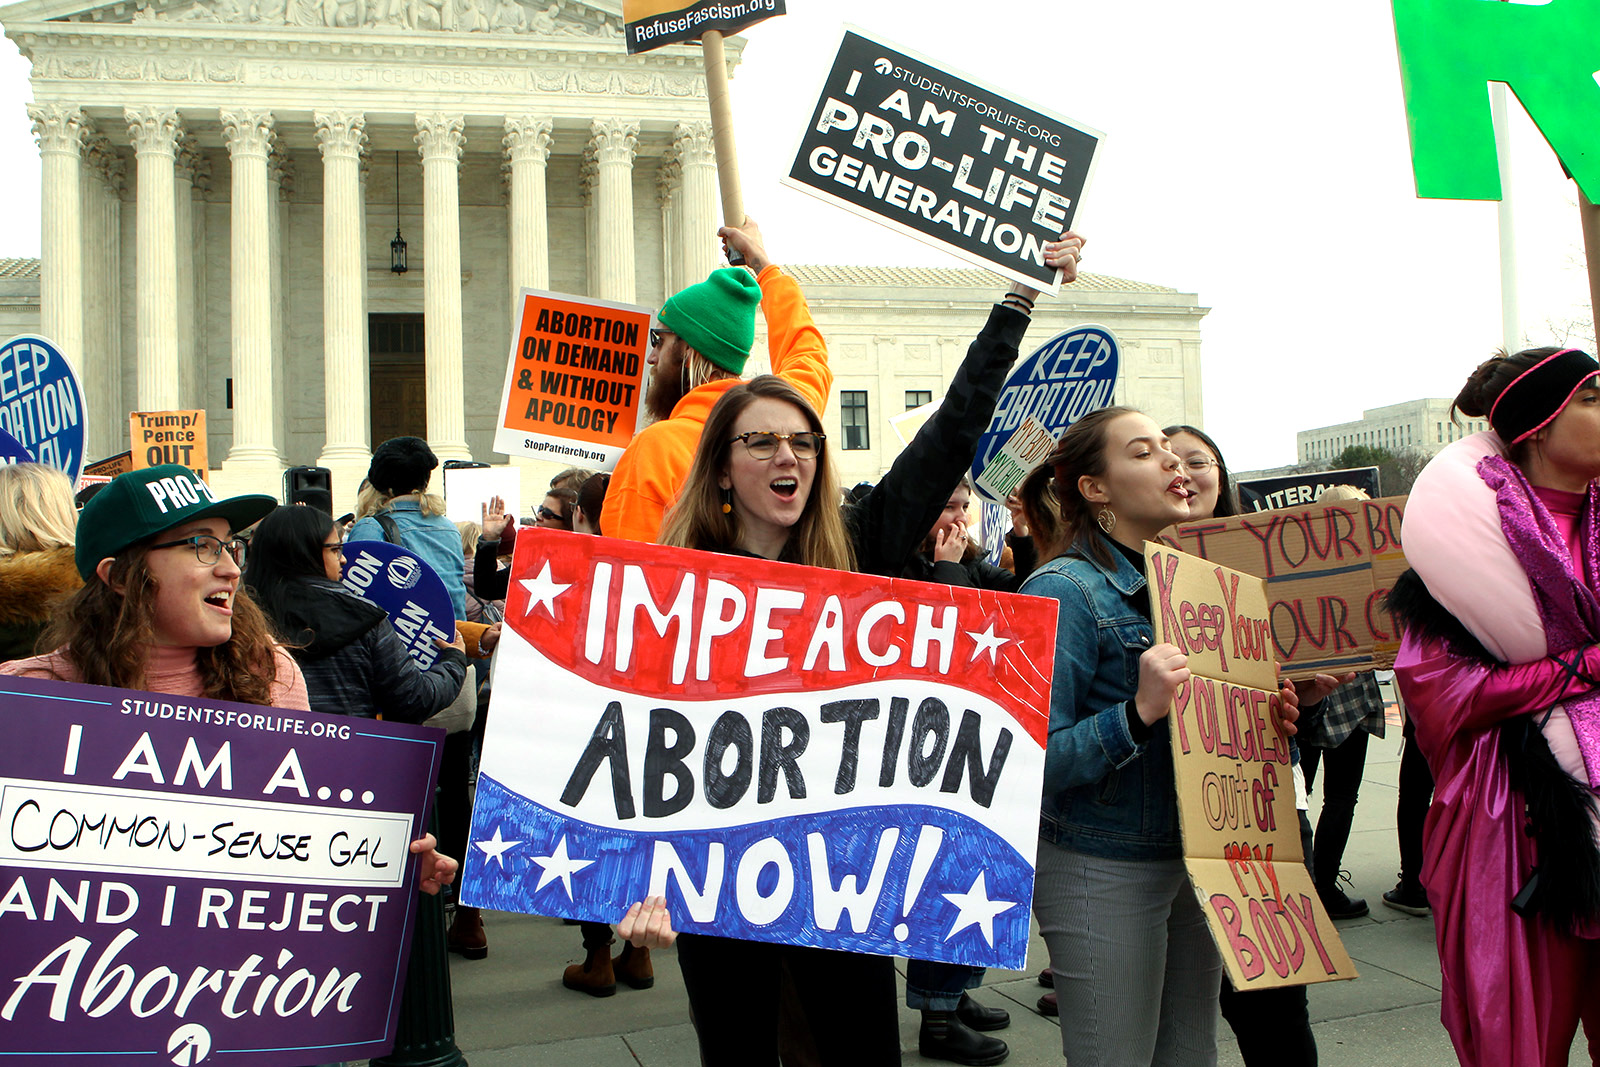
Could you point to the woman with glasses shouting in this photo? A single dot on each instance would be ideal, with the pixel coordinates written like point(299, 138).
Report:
point(763, 484)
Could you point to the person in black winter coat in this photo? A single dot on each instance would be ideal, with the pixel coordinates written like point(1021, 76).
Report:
point(353, 661)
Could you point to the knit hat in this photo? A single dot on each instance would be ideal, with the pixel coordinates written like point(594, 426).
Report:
point(717, 317)
point(401, 465)
point(140, 504)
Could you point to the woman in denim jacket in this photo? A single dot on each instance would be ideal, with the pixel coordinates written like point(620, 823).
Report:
point(1136, 972)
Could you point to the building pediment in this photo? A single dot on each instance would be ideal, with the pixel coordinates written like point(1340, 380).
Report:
point(554, 19)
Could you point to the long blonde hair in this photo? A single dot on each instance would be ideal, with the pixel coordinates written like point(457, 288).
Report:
point(696, 520)
point(37, 512)
point(371, 500)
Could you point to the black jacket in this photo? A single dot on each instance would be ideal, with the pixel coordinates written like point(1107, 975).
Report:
point(889, 522)
point(977, 572)
point(353, 661)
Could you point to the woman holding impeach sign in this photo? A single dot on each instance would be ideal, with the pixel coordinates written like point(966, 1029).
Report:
point(1499, 666)
point(762, 484)
point(1135, 970)
point(161, 609)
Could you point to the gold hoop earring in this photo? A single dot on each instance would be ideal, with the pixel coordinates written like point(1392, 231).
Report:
point(1106, 519)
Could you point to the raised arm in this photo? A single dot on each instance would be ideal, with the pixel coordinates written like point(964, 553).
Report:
point(799, 354)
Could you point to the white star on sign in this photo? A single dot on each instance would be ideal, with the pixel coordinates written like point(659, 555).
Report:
point(976, 909)
point(559, 865)
point(497, 847)
point(986, 642)
point(543, 590)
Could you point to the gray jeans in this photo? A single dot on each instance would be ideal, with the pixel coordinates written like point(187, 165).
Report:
point(1136, 971)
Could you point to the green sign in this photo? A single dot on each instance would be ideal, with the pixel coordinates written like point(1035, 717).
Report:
point(1548, 54)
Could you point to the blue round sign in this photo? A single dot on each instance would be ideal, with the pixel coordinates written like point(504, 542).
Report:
point(41, 403)
point(1065, 378)
point(401, 584)
point(11, 450)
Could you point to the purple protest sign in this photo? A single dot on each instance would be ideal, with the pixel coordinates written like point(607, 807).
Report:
point(186, 880)
point(13, 451)
point(399, 582)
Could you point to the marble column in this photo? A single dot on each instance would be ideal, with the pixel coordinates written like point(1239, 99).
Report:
point(669, 178)
point(340, 136)
point(155, 132)
point(439, 138)
point(614, 141)
point(280, 189)
point(200, 196)
point(527, 145)
point(588, 179)
point(248, 135)
point(698, 201)
point(60, 130)
point(102, 291)
point(183, 227)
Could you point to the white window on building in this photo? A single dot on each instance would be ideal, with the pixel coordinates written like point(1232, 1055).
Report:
point(853, 418)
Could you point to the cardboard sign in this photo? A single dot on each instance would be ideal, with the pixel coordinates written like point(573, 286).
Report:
point(1328, 568)
point(168, 437)
point(574, 380)
point(789, 754)
point(41, 404)
point(11, 450)
point(403, 585)
point(1295, 490)
point(1230, 756)
point(108, 468)
point(650, 24)
point(1023, 450)
point(1064, 379)
point(945, 159)
point(186, 880)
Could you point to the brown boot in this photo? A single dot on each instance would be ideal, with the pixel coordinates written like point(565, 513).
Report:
point(633, 967)
point(466, 934)
point(594, 975)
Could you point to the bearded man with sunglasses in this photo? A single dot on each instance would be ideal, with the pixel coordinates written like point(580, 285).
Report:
point(697, 353)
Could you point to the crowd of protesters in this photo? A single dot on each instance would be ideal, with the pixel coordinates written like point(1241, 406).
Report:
point(1502, 691)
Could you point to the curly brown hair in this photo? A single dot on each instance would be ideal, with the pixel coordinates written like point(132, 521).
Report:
point(107, 635)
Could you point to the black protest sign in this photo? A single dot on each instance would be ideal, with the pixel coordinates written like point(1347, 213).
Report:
point(944, 159)
point(1297, 490)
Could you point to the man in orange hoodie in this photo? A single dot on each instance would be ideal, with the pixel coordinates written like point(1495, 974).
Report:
point(699, 353)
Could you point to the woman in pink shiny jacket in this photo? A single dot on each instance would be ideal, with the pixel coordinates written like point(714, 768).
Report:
point(1500, 670)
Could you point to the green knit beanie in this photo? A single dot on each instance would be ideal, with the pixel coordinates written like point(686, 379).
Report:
point(717, 317)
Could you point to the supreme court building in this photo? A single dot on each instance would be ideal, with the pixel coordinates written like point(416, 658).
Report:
point(223, 179)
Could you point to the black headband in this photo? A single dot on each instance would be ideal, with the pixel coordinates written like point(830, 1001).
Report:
point(1539, 394)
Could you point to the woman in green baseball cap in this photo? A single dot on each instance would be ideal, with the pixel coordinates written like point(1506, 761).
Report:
point(161, 608)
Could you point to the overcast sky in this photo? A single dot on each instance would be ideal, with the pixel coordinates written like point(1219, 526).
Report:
point(1255, 155)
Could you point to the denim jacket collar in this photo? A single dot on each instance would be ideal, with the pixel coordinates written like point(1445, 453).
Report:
point(1122, 574)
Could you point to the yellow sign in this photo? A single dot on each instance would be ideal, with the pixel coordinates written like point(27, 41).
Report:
point(168, 437)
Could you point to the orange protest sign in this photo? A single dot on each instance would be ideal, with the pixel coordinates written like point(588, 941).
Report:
point(1234, 779)
point(158, 437)
point(574, 380)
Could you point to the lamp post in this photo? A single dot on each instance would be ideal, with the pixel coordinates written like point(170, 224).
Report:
point(397, 247)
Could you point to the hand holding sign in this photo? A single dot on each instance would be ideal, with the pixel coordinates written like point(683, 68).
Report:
point(746, 241)
point(1161, 671)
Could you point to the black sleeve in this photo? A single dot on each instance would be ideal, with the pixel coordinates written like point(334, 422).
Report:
point(488, 580)
point(890, 522)
point(1024, 555)
point(988, 576)
point(403, 691)
point(947, 573)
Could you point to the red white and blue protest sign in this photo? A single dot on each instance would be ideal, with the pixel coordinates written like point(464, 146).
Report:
point(12, 451)
point(789, 754)
point(1064, 379)
point(186, 880)
point(41, 404)
point(400, 583)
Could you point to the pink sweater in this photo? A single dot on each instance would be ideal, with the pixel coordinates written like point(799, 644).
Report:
point(171, 670)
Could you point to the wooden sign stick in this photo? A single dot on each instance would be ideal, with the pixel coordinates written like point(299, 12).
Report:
point(722, 129)
point(1590, 214)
